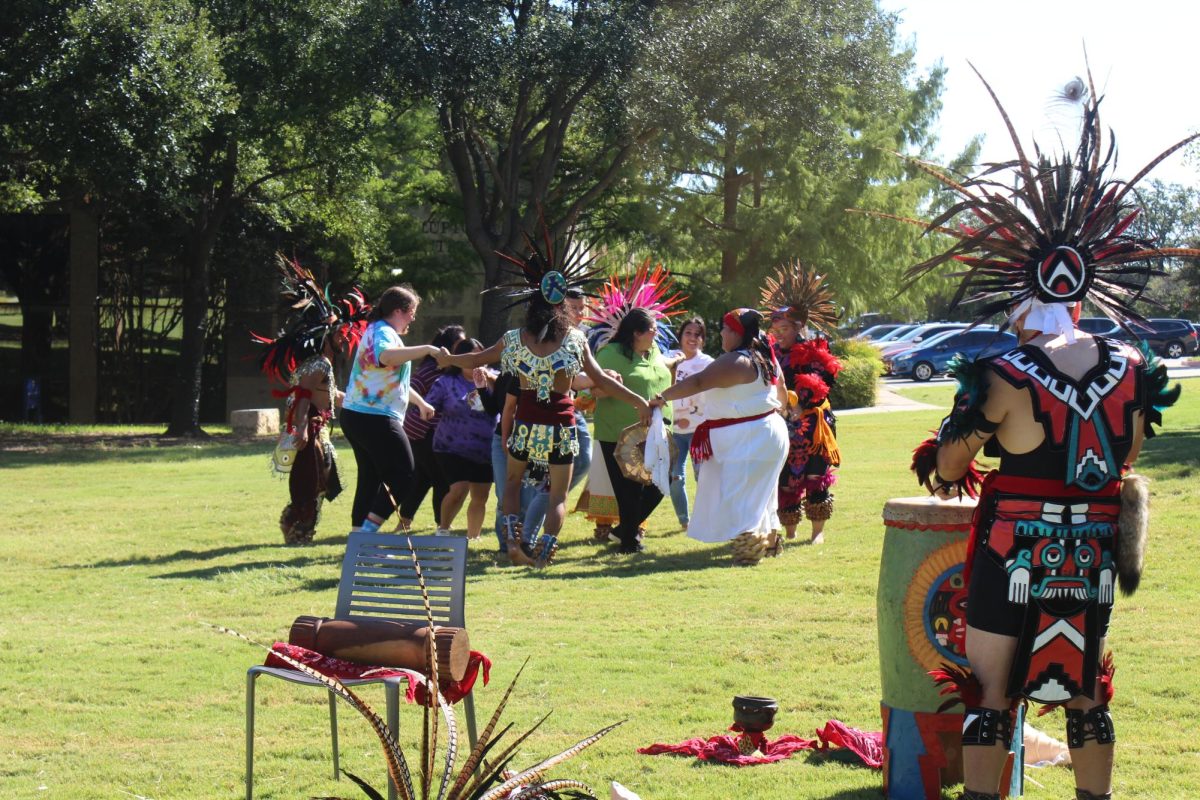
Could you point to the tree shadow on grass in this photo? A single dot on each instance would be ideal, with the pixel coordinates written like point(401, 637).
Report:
point(613, 563)
point(1178, 449)
point(209, 573)
point(205, 555)
point(28, 451)
point(168, 558)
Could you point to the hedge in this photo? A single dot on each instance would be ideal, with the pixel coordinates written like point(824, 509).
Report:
point(856, 384)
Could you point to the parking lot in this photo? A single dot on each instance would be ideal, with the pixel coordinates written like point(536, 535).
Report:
point(1176, 368)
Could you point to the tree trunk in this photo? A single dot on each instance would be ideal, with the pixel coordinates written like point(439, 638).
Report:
point(493, 317)
point(185, 404)
point(731, 187)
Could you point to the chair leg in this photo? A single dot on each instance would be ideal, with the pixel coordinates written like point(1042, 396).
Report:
point(337, 773)
point(391, 690)
point(250, 678)
point(469, 708)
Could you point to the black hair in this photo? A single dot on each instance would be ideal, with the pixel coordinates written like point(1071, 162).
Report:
point(460, 347)
point(447, 336)
point(638, 320)
point(397, 298)
point(757, 345)
point(545, 321)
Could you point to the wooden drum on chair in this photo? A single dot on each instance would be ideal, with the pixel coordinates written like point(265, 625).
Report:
point(921, 604)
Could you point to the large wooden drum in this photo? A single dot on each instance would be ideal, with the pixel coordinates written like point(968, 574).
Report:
point(921, 606)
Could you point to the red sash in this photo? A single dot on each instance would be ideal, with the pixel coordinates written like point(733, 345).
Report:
point(559, 411)
point(701, 442)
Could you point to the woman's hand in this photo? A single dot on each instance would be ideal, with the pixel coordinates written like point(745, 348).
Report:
point(645, 411)
point(442, 355)
point(657, 401)
point(426, 411)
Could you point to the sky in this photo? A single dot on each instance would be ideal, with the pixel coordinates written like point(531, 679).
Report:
point(1143, 58)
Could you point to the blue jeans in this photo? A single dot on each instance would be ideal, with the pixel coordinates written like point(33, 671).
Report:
point(535, 514)
point(679, 497)
point(500, 475)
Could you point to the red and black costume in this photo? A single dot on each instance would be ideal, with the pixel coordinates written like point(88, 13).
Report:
point(804, 484)
point(802, 296)
point(1041, 564)
point(1047, 544)
point(315, 327)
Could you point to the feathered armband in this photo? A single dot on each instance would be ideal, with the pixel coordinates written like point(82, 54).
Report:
point(924, 464)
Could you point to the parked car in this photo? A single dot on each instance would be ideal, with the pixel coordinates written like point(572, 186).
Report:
point(895, 334)
point(875, 332)
point(1171, 338)
point(919, 335)
point(1098, 326)
point(933, 357)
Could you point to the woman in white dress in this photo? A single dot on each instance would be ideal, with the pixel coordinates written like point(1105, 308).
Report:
point(742, 444)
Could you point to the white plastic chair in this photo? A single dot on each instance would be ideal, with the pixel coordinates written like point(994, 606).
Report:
point(379, 581)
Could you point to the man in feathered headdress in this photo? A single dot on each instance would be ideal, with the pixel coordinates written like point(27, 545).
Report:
point(1066, 414)
point(800, 303)
point(316, 329)
point(546, 353)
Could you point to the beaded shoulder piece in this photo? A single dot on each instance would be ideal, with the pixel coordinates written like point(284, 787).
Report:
point(539, 371)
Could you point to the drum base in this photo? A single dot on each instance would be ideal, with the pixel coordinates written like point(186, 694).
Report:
point(922, 752)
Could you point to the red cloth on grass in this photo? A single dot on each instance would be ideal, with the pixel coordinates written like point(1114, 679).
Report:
point(868, 746)
point(344, 670)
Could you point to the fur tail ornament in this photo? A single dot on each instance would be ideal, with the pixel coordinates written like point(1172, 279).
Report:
point(1132, 531)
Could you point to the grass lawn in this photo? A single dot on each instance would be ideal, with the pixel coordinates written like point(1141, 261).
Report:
point(112, 557)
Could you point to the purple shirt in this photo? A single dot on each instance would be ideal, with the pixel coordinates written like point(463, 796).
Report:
point(461, 430)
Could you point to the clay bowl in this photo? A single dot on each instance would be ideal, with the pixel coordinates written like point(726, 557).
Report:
point(754, 714)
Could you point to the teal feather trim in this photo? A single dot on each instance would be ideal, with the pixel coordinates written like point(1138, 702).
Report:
point(968, 400)
point(1154, 387)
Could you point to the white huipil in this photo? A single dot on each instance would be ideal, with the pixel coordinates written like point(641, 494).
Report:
point(737, 490)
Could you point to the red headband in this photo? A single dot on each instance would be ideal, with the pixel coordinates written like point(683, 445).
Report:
point(733, 321)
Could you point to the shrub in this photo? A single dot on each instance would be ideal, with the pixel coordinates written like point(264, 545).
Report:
point(856, 383)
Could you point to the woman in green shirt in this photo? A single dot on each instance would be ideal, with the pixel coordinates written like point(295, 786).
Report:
point(645, 372)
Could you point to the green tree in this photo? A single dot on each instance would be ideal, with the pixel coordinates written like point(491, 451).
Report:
point(794, 110)
point(1171, 216)
point(531, 99)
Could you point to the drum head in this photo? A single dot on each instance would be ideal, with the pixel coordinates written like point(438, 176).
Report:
point(631, 453)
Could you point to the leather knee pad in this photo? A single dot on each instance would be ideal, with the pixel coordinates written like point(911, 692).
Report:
point(984, 727)
point(1095, 724)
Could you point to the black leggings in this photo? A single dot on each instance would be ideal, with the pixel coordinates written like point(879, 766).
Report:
point(427, 475)
point(635, 501)
point(385, 462)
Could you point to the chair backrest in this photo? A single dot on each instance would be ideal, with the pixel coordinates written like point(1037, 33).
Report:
point(379, 578)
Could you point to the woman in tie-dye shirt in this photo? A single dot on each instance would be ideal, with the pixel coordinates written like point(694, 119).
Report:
point(377, 398)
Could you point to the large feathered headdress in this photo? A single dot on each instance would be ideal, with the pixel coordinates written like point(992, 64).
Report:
point(647, 288)
point(312, 315)
point(550, 268)
point(801, 295)
point(1041, 235)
